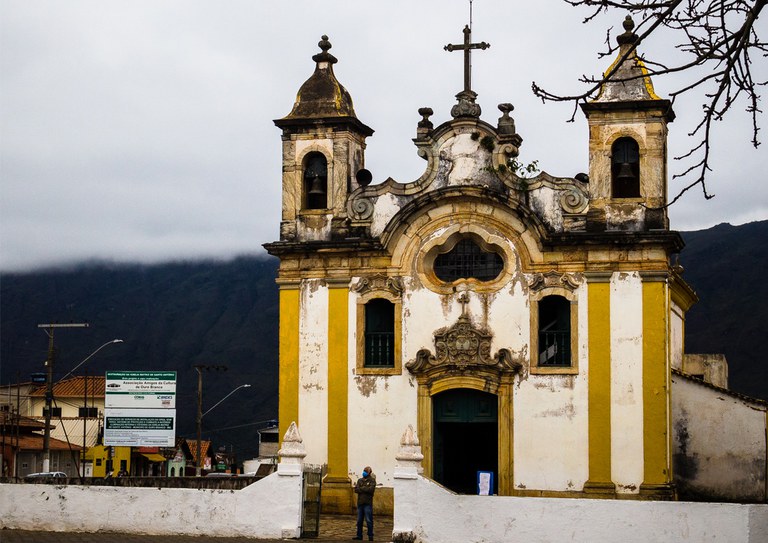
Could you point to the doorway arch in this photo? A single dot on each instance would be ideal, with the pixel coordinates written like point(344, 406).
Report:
point(465, 438)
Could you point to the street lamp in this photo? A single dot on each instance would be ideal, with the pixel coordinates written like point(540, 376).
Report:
point(49, 391)
point(200, 415)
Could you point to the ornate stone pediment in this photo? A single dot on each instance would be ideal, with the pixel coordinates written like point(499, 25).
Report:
point(463, 348)
point(553, 279)
point(379, 282)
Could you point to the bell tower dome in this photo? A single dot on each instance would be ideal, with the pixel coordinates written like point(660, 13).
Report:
point(323, 148)
point(628, 146)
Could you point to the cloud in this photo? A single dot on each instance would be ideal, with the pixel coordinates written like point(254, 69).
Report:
point(143, 130)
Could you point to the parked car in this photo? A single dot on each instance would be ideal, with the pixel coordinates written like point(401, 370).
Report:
point(47, 474)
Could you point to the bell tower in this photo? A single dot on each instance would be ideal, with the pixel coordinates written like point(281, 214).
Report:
point(628, 146)
point(323, 148)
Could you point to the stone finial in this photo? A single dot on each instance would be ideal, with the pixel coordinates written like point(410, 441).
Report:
point(325, 56)
point(628, 37)
point(506, 123)
point(425, 125)
point(293, 450)
point(409, 455)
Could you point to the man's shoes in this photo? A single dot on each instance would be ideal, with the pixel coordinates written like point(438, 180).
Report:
point(357, 538)
point(370, 538)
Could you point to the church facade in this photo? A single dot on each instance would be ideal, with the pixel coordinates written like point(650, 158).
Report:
point(525, 326)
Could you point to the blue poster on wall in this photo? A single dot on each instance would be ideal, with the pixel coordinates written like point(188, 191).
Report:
point(485, 483)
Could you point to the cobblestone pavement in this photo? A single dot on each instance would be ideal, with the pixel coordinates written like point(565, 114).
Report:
point(332, 528)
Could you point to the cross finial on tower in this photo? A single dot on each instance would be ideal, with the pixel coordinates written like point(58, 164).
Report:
point(467, 47)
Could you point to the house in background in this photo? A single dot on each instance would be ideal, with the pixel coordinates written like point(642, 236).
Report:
point(77, 413)
point(22, 449)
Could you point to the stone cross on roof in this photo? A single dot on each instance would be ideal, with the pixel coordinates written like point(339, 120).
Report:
point(467, 47)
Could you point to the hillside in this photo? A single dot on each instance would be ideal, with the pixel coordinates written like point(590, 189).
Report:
point(175, 315)
point(170, 316)
point(725, 265)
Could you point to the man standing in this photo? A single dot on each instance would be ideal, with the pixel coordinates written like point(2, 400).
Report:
point(364, 488)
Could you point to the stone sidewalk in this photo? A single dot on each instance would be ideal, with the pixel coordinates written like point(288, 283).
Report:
point(332, 528)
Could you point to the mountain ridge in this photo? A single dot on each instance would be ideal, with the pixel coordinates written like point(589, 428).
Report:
point(175, 315)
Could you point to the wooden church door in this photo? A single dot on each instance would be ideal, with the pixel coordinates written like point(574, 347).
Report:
point(465, 438)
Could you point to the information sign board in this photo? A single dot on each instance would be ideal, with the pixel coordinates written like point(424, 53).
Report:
point(140, 427)
point(140, 389)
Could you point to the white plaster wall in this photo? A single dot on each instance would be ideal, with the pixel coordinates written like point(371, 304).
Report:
point(626, 310)
point(434, 514)
point(677, 330)
point(380, 406)
point(385, 207)
point(267, 509)
point(313, 369)
point(719, 443)
point(508, 318)
point(550, 424)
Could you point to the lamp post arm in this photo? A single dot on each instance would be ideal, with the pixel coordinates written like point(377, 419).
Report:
point(224, 398)
point(87, 358)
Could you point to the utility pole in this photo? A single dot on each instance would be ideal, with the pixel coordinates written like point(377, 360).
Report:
point(49, 388)
point(200, 368)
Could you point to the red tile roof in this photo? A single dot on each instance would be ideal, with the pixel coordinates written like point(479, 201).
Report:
point(75, 387)
point(192, 444)
point(25, 423)
point(35, 443)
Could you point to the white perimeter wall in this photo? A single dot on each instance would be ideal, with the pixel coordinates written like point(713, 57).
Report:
point(719, 443)
point(433, 514)
point(267, 509)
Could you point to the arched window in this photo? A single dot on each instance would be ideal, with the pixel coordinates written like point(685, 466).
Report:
point(379, 334)
point(315, 181)
point(554, 331)
point(625, 169)
point(467, 260)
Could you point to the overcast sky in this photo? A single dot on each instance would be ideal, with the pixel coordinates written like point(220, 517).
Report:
point(142, 130)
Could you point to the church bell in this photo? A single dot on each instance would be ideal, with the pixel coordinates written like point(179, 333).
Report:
point(317, 186)
point(625, 172)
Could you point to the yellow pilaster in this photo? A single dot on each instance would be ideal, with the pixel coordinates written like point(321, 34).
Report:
point(657, 479)
point(288, 383)
point(337, 489)
point(599, 375)
point(506, 441)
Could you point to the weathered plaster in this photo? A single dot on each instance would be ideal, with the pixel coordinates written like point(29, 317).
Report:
point(626, 382)
point(719, 443)
point(313, 369)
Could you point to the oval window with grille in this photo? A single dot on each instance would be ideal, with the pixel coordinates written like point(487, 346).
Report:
point(468, 260)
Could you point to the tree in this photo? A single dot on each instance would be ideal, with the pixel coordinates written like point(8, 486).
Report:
point(720, 42)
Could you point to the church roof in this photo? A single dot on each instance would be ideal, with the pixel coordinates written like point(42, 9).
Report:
point(322, 95)
point(629, 79)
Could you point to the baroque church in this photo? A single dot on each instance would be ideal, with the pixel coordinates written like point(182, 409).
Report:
point(524, 326)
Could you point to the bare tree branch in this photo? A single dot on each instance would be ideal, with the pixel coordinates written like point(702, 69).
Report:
point(720, 37)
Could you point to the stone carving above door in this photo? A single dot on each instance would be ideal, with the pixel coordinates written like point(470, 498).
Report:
point(463, 349)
